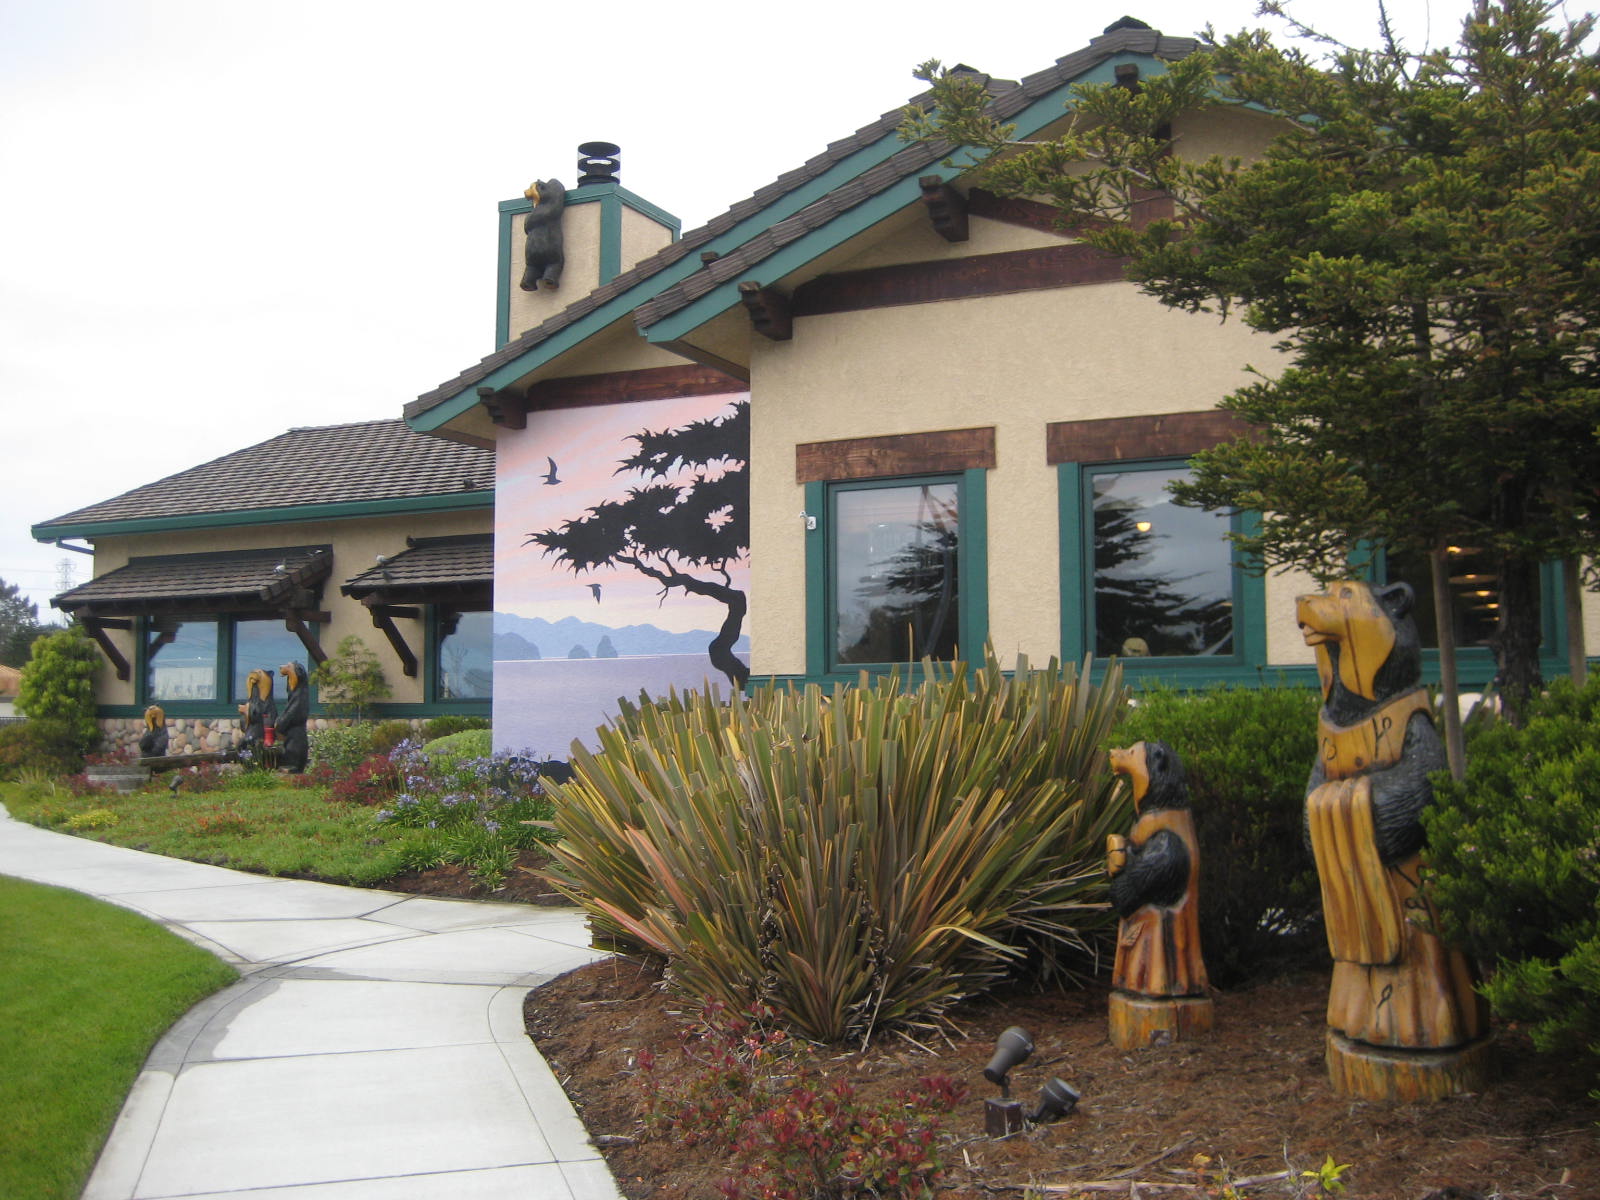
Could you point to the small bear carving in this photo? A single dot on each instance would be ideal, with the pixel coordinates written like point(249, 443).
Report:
point(542, 249)
point(260, 710)
point(1159, 988)
point(153, 741)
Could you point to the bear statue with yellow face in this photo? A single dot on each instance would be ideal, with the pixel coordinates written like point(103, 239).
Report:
point(1404, 1021)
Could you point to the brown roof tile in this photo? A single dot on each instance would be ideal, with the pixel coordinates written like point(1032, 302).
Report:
point(429, 563)
point(226, 580)
point(330, 464)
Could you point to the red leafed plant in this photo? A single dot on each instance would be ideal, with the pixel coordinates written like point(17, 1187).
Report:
point(797, 1133)
point(376, 781)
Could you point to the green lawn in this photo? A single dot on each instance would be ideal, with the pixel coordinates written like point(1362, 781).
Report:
point(253, 824)
point(85, 991)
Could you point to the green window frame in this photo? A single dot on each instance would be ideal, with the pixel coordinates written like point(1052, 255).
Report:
point(823, 537)
point(1248, 655)
point(438, 674)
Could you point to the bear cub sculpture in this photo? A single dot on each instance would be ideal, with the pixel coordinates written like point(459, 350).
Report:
point(543, 251)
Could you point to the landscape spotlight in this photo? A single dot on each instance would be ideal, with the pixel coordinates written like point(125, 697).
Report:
point(1056, 1099)
point(1004, 1116)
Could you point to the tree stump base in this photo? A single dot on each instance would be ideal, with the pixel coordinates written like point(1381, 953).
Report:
point(1141, 1021)
point(1390, 1073)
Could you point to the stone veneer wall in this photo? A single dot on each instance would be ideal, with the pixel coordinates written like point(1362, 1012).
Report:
point(191, 735)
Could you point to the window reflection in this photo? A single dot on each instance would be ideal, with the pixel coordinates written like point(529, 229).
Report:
point(1474, 594)
point(181, 660)
point(1163, 575)
point(264, 645)
point(466, 655)
point(895, 584)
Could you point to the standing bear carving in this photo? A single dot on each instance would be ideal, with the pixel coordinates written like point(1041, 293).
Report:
point(1403, 1019)
point(1159, 979)
point(295, 747)
point(542, 249)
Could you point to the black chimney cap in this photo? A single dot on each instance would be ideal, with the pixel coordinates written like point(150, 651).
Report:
point(599, 163)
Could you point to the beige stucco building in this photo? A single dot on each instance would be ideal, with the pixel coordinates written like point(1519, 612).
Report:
point(961, 419)
point(367, 530)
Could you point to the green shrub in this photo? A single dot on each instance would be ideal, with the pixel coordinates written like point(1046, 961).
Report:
point(1246, 753)
point(47, 747)
point(58, 685)
point(854, 860)
point(1514, 852)
point(386, 735)
point(469, 743)
point(435, 728)
point(343, 747)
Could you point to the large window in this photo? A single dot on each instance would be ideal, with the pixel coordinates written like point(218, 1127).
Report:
point(464, 644)
point(181, 660)
point(208, 659)
point(264, 645)
point(1163, 575)
point(896, 570)
point(1152, 583)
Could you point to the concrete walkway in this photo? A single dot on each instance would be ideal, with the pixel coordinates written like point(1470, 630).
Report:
point(373, 1049)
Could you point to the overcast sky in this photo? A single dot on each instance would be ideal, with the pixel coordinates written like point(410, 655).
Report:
point(220, 219)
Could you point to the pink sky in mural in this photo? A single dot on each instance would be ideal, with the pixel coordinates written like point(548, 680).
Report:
point(587, 445)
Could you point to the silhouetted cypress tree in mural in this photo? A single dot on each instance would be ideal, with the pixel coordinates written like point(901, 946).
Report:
point(1129, 604)
point(666, 530)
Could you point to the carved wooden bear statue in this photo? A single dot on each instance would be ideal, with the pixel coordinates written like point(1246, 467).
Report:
point(543, 250)
point(291, 734)
point(260, 710)
point(153, 741)
point(1403, 1020)
point(1159, 980)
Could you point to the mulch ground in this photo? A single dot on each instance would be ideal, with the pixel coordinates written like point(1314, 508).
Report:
point(1252, 1098)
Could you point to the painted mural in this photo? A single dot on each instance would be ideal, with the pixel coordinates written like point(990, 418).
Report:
point(621, 563)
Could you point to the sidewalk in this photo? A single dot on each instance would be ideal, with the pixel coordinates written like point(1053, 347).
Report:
point(372, 1050)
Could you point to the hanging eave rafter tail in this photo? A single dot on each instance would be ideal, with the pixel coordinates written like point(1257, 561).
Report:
point(856, 183)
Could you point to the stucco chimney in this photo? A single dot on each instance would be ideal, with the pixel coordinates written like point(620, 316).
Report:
point(600, 228)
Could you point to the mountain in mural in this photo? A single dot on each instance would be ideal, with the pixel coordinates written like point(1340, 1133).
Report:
point(513, 647)
point(518, 638)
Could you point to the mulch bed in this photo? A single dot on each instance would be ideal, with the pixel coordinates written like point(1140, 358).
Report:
point(1252, 1099)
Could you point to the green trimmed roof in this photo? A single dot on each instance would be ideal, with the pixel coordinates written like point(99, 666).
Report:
point(796, 219)
point(326, 471)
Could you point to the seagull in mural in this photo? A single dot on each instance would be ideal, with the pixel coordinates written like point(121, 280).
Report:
point(595, 588)
point(550, 478)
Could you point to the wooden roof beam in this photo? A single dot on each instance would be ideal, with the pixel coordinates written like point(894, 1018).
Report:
point(383, 620)
point(96, 628)
point(506, 408)
point(769, 310)
point(947, 208)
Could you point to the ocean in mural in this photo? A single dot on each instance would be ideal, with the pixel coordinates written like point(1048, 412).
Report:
point(525, 720)
point(621, 562)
